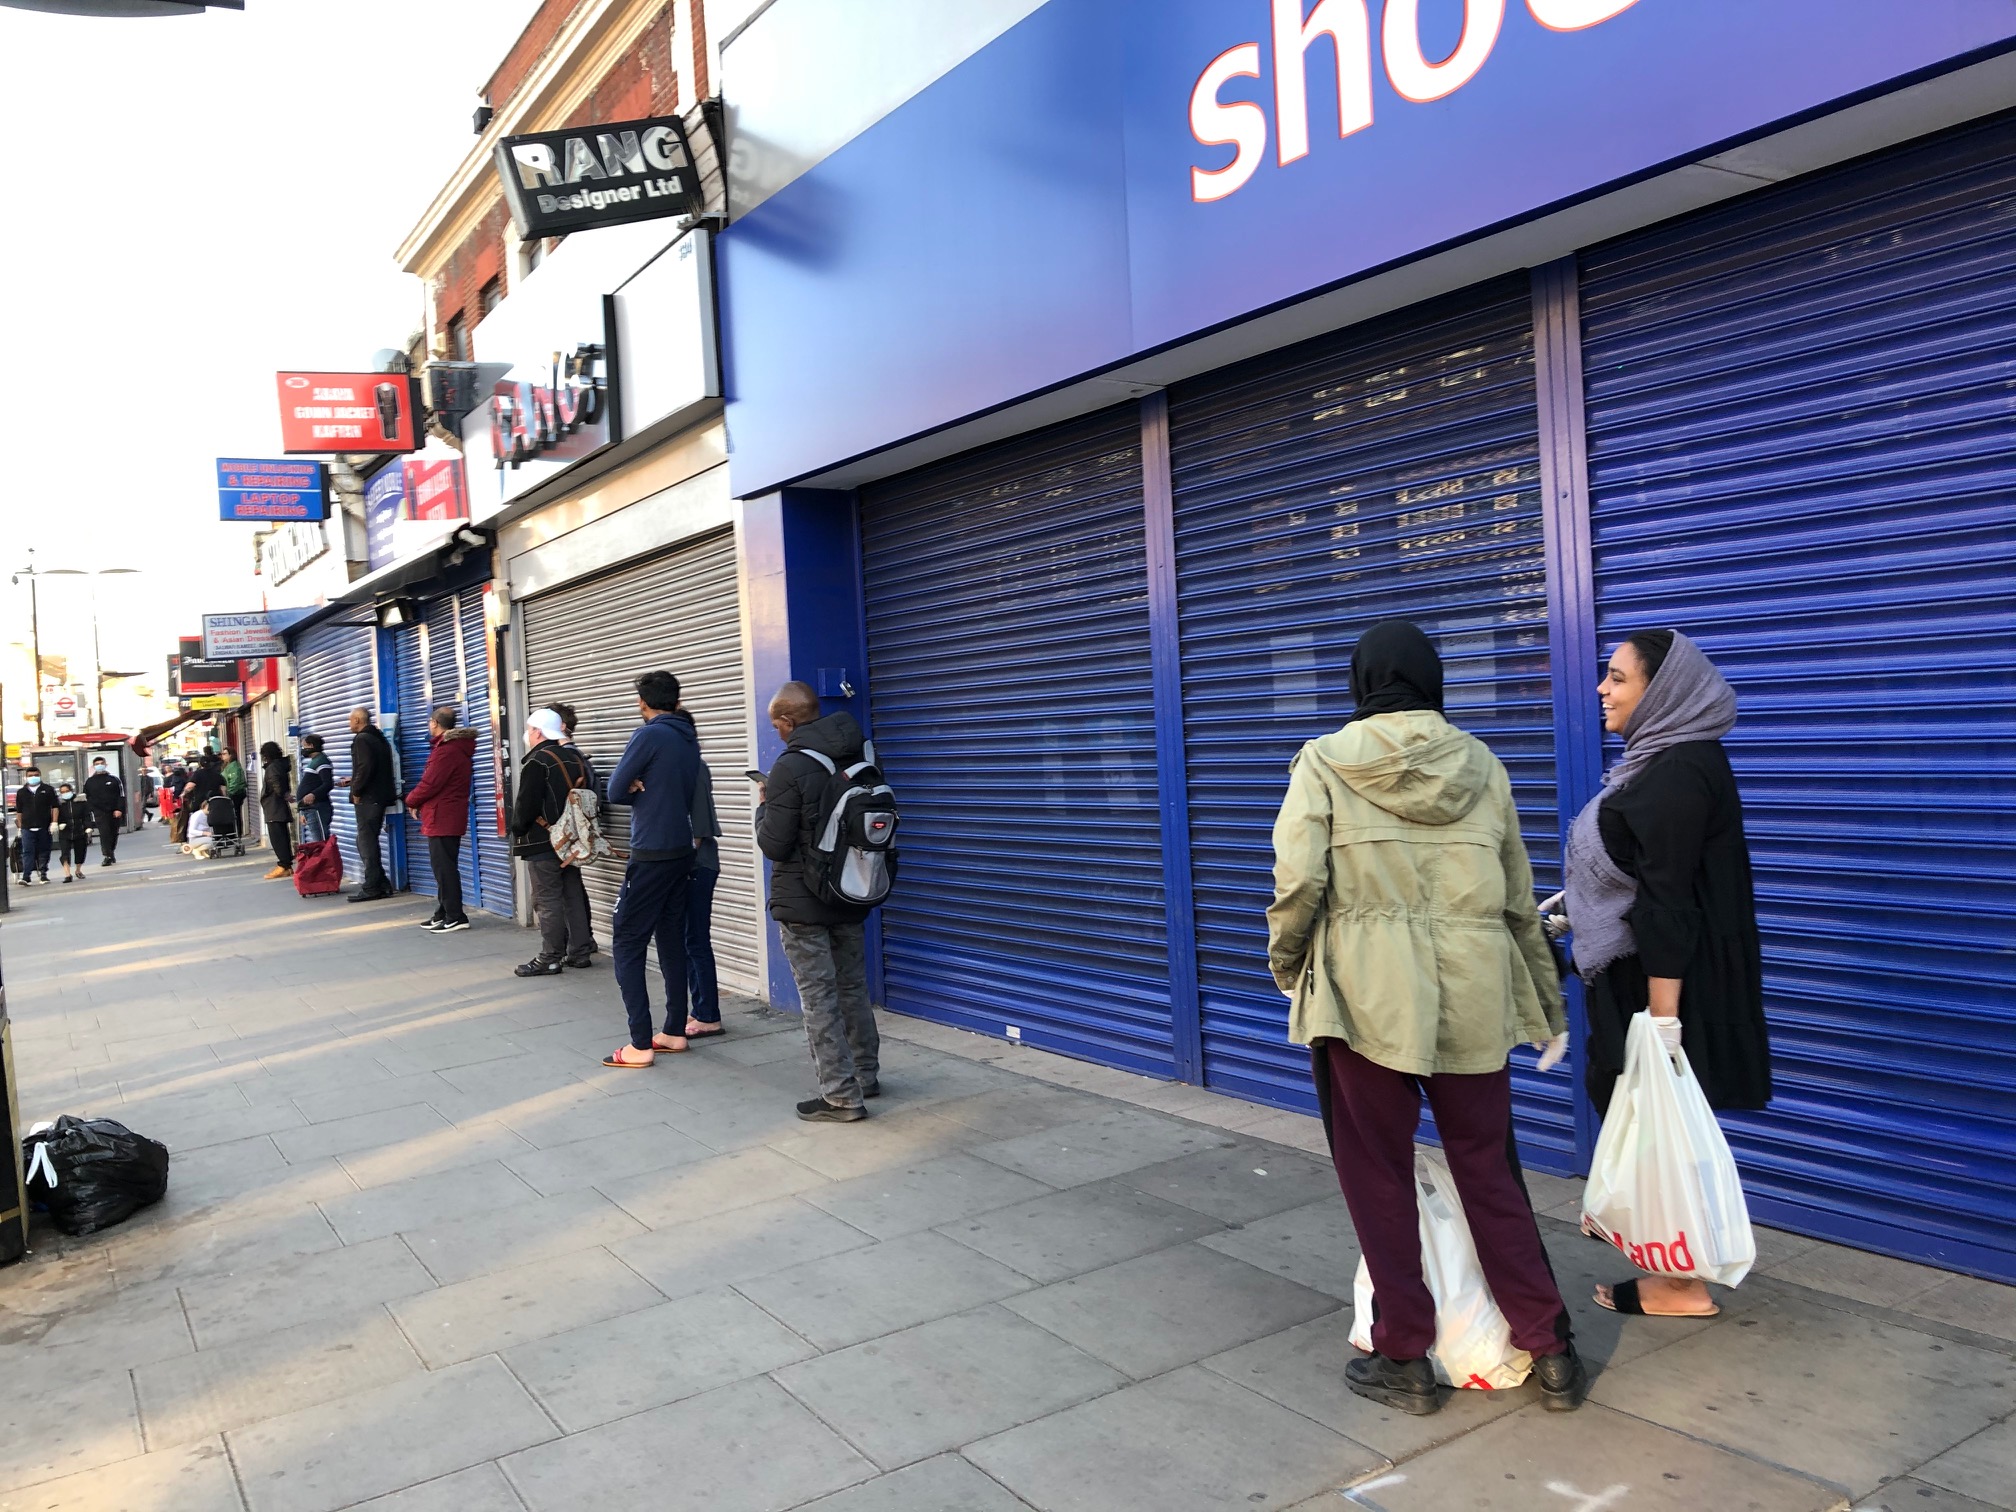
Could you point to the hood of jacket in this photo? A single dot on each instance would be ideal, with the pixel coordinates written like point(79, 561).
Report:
point(460, 732)
point(836, 736)
point(1414, 765)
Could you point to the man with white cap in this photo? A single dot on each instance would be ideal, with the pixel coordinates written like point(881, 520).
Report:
point(548, 771)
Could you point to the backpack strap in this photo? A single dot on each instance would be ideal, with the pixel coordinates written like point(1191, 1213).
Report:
point(821, 757)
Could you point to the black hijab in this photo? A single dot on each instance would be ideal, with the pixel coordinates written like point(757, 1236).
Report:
point(1394, 668)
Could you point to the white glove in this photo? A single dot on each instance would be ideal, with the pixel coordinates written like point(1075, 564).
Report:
point(1669, 1035)
point(1552, 919)
point(1552, 1051)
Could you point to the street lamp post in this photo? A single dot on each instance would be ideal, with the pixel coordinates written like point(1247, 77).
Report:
point(35, 634)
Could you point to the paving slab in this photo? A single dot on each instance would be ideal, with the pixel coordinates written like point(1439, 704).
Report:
point(1065, 1234)
point(453, 1148)
point(1966, 1302)
point(425, 1202)
point(375, 1442)
point(843, 1151)
point(1189, 1441)
point(423, 1089)
point(193, 1478)
point(1755, 1387)
point(55, 1422)
point(492, 1312)
point(1876, 1279)
point(907, 1198)
point(945, 1484)
point(561, 1119)
point(708, 1187)
point(645, 1359)
point(1593, 1460)
point(1124, 1139)
point(1024, 1107)
point(1238, 1183)
point(742, 1448)
point(105, 1330)
point(1170, 1308)
point(1983, 1467)
point(519, 1234)
point(597, 1160)
point(1302, 1368)
point(1911, 1495)
point(336, 1283)
point(210, 1392)
point(736, 1246)
point(1313, 1245)
point(214, 1245)
point(480, 1488)
point(910, 1395)
point(864, 1293)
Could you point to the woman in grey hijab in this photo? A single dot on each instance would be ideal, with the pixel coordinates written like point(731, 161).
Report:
point(1660, 899)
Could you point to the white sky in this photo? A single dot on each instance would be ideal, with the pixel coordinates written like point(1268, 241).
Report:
point(200, 202)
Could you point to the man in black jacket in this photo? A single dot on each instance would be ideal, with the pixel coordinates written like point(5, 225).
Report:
point(105, 795)
point(36, 805)
point(372, 791)
point(826, 943)
point(549, 769)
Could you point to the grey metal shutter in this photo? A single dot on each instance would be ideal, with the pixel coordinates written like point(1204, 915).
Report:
point(1802, 440)
point(416, 708)
point(1010, 691)
point(486, 853)
point(1388, 471)
point(335, 671)
point(587, 643)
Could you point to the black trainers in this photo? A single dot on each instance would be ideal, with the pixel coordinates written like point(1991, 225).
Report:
point(433, 923)
point(537, 966)
point(873, 1089)
point(1406, 1384)
point(579, 963)
point(818, 1110)
point(1564, 1380)
point(449, 926)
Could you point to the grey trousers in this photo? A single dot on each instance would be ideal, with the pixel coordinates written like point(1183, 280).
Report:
point(830, 964)
point(562, 911)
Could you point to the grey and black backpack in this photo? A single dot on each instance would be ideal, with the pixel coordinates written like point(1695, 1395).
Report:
point(852, 858)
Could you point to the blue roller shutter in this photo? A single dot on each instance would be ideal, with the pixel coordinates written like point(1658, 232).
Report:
point(486, 854)
point(1388, 471)
point(416, 708)
point(335, 671)
point(1802, 429)
point(1010, 692)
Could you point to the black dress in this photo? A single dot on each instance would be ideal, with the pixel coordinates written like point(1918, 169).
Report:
point(1678, 829)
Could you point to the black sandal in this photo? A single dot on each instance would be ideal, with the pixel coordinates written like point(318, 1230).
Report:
point(1624, 1299)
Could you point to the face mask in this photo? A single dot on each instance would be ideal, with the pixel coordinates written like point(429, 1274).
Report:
point(34, 782)
point(97, 768)
point(63, 792)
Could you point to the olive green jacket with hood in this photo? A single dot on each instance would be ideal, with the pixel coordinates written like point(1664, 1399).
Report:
point(1403, 920)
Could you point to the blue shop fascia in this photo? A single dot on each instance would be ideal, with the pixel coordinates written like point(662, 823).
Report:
point(1085, 407)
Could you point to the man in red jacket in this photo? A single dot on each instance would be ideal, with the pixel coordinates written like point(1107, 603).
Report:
point(440, 799)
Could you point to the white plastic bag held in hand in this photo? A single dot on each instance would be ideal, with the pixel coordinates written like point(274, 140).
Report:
point(1662, 1184)
point(1473, 1342)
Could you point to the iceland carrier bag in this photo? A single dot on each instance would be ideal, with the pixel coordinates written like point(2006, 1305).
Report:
point(853, 854)
point(1473, 1342)
point(1662, 1184)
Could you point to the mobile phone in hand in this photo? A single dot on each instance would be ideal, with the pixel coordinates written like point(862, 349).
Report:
point(754, 775)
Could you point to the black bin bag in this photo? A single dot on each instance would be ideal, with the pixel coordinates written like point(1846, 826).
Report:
point(91, 1173)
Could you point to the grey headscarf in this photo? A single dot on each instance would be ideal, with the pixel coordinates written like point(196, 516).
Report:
point(1687, 700)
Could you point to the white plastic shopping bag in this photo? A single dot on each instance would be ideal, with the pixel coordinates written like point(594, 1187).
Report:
point(1662, 1184)
point(1473, 1342)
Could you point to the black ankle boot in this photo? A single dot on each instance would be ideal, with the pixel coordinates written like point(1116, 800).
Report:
point(1564, 1381)
point(1406, 1384)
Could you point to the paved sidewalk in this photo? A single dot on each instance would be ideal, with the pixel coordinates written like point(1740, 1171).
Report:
point(422, 1252)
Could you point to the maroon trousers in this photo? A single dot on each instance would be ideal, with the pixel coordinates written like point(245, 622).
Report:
point(1373, 1116)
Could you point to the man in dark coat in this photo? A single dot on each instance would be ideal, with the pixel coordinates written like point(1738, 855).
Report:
point(105, 796)
point(656, 778)
point(826, 943)
point(440, 800)
point(35, 807)
point(544, 777)
point(372, 791)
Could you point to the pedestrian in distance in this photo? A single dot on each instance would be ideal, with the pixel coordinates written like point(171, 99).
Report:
point(440, 799)
point(1660, 898)
point(570, 876)
point(1405, 934)
point(233, 774)
point(317, 790)
point(657, 777)
point(825, 942)
point(35, 810)
point(105, 796)
point(205, 780)
point(276, 782)
point(547, 773)
point(150, 793)
point(73, 831)
point(372, 792)
point(703, 981)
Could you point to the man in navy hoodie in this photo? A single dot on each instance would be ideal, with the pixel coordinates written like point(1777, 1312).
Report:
point(656, 778)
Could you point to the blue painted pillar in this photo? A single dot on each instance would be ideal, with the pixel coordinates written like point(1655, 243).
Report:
point(802, 592)
point(392, 840)
point(1571, 592)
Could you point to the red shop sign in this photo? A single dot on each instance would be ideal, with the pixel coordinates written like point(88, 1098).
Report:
point(348, 412)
